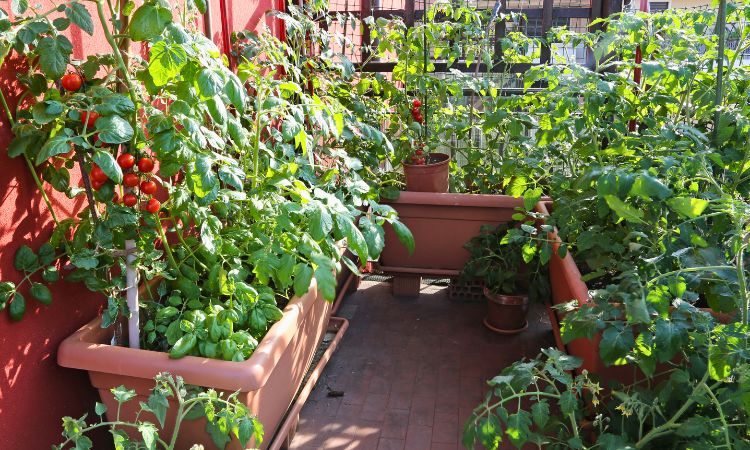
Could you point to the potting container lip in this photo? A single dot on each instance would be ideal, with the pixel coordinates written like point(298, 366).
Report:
point(85, 350)
point(444, 159)
point(459, 200)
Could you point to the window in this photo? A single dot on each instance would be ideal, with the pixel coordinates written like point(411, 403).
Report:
point(657, 6)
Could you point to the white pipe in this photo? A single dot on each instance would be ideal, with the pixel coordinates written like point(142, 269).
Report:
point(131, 282)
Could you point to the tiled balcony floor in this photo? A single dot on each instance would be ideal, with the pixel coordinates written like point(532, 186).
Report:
point(410, 371)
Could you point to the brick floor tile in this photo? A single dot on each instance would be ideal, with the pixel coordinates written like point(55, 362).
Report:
point(445, 430)
point(418, 437)
point(444, 446)
point(422, 411)
point(379, 385)
point(391, 444)
point(349, 410)
point(395, 424)
point(374, 407)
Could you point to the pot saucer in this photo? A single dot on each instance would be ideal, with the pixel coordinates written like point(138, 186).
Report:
point(506, 332)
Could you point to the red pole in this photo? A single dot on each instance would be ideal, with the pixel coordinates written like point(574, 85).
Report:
point(638, 60)
point(226, 44)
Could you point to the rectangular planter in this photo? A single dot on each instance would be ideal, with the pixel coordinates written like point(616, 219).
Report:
point(267, 381)
point(441, 224)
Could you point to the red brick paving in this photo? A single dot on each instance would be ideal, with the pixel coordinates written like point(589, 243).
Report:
point(411, 372)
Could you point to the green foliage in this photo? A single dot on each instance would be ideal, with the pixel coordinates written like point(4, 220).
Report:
point(510, 259)
point(226, 418)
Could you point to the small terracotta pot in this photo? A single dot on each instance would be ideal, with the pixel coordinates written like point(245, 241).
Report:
point(432, 177)
point(506, 314)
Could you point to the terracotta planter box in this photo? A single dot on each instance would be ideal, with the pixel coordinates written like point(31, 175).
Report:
point(441, 224)
point(267, 381)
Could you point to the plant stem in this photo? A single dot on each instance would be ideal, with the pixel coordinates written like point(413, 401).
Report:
point(671, 423)
point(721, 27)
point(167, 248)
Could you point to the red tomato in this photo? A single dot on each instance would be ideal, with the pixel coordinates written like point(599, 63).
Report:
point(93, 116)
point(126, 160)
point(96, 184)
point(148, 187)
point(72, 82)
point(418, 152)
point(416, 103)
point(116, 198)
point(145, 164)
point(97, 174)
point(129, 200)
point(130, 180)
point(153, 206)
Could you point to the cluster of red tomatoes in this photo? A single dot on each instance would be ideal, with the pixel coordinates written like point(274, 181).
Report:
point(416, 112)
point(126, 161)
point(130, 181)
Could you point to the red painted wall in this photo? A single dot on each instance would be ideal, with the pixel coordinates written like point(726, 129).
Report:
point(34, 391)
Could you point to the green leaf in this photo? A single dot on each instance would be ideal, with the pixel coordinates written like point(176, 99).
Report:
point(183, 346)
point(303, 274)
point(517, 428)
point(623, 210)
point(616, 343)
point(55, 146)
point(21, 145)
point(41, 293)
point(249, 428)
point(210, 82)
point(540, 413)
point(149, 433)
point(693, 427)
point(7, 288)
point(200, 5)
point(568, 403)
point(114, 129)
point(374, 236)
point(122, 394)
point(54, 55)
point(108, 164)
point(100, 408)
point(149, 21)
point(158, 405)
point(489, 431)
point(25, 259)
point(165, 62)
point(46, 254)
point(324, 275)
point(321, 223)
point(354, 238)
point(236, 92)
point(17, 306)
point(19, 7)
point(688, 206)
point(404, 235)
point(645, 186)
point(79, 15)
point(115, 104)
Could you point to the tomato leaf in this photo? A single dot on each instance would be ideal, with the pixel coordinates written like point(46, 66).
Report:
point(54, 55)
point(79, 15)
point(57, 145)
point(165, 62)
point(41, 293)
point(17, 307)
point(114, 129)
point(148, 22)
point(108, 164)
point(404, 235)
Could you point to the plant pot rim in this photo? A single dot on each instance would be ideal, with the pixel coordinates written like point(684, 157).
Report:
point(456, 200)
point(486, 323)
point(444, 159)
point(505, 299)
point(85, 349)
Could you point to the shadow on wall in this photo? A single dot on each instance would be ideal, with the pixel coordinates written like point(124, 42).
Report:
point(34, 391)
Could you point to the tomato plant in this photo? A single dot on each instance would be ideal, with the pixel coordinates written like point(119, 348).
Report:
point(254, 211)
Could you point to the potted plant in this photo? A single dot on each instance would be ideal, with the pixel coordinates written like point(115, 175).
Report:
point(424, 171)
point(513, 273)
